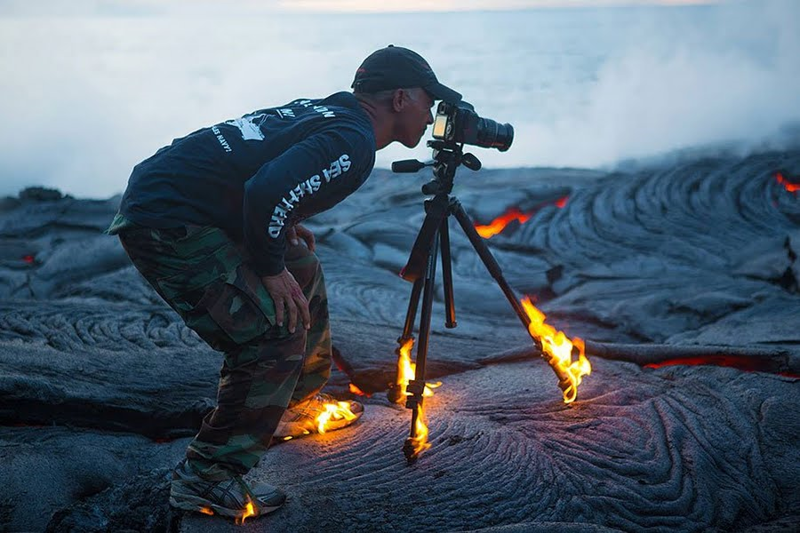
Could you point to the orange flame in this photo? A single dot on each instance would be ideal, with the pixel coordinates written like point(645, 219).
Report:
point(789, 186)
point(249, 510)
point(557, 349)
point(355, 390)
point(333, 411)
point(420, 441)
point(207, 510)
point(406, 371)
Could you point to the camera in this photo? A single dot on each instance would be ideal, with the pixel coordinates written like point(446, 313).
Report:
point(459, 123)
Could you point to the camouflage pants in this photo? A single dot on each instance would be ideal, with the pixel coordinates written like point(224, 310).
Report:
point(207, 279)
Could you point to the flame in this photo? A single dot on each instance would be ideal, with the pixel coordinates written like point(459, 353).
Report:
point(249, 510)
point(406, 371)
point(333, 411)
point(207, 510)
point(789, 186)
point(557, 349)
point(420, 441)
point(561, 202)
point(358, 392)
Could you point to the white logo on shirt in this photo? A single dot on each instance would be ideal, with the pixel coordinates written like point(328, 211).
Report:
point(248, 127)
point(221, 139)
point(308, 187)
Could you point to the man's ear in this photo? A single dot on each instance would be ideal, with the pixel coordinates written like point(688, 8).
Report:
point(399, 100)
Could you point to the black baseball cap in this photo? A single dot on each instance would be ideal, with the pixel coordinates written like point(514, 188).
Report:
point(395, 67)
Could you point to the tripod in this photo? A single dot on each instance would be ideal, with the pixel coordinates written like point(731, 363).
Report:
point(433, 236)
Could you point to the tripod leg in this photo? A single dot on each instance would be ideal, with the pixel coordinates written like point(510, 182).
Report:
point(415, 443)
point(447, 276)
point(436, 209)
point(489, 260)
point(564, 380)
point(395, 394)
point(411, 314)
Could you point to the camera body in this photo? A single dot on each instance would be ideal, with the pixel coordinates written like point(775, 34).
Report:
point(459, 123)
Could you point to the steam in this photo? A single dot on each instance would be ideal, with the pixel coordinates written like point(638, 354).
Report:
point(670, 92)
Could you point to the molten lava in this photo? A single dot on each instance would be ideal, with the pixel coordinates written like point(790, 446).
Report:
point(499, 224)
point(789, 186)
point(740, 362)
point(331, 412)
point(557, 349)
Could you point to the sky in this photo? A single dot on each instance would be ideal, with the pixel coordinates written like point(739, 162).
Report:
point(89, 88)
point(145, 7)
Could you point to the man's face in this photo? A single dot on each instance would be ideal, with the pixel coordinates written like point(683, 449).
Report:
point(415, 115)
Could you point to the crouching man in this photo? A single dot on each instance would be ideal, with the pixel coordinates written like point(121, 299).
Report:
point(212, 223)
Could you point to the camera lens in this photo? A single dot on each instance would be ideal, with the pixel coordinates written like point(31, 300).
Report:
point(490, 134)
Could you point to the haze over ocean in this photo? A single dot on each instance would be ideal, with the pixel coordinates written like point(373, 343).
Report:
point(87, 95)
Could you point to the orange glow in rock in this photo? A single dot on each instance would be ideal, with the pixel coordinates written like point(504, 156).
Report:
point(789, 186)
point(499, 224)
point(740, 362)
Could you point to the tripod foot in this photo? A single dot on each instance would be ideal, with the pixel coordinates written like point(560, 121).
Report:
point(395, 394)
point(410, 452)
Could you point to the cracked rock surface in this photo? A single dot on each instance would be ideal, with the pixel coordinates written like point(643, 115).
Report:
point(101, 385)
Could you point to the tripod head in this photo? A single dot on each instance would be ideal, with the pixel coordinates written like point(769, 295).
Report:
point(447, 157)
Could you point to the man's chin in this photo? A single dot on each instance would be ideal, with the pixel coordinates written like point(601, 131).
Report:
point(412, 144)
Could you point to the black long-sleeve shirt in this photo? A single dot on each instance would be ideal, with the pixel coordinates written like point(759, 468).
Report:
point(258, 174)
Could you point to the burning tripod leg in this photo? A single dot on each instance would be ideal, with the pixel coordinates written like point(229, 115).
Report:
point(554, 346)
point(397, 391)
point(421, 270)
point(417, 441)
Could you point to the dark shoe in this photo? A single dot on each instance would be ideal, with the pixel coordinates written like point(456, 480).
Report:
point(231, 497)
point(320, 414)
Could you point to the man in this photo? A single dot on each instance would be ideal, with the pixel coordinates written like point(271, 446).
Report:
point(212, 223)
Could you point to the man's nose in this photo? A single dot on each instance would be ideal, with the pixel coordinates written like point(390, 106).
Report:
point(430, 117)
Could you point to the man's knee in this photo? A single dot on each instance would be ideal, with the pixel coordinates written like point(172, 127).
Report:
point(269, 355)
point(303, 264)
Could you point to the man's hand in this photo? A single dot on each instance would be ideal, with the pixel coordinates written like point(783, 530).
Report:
point(300, 231)
point(287, 293)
